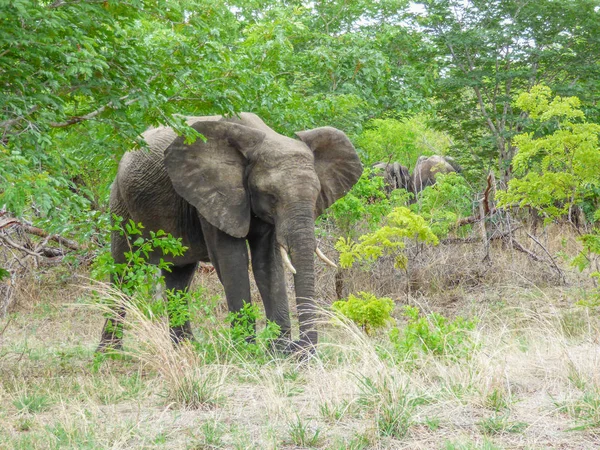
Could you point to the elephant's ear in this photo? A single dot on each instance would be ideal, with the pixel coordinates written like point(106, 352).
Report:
point(336, 163)
point(211, 175)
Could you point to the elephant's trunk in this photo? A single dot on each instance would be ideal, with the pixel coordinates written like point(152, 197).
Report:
point(301, 244)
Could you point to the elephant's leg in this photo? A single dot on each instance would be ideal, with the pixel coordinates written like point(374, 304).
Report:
point(229, 256)
point(179, 279)
point(112, 331)
point(270, 275)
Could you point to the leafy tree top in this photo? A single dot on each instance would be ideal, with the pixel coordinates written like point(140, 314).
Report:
point(557, 165)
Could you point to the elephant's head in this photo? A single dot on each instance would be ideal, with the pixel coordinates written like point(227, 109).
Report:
point(243, 170)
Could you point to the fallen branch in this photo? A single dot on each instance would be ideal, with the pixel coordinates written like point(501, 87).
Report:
point(522, 249)
point(473, 240)
point(11, 221)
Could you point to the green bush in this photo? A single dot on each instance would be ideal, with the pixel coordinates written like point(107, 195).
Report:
point(366, 310)
point(365, 204)
point(557, 165)
point(442, 204)
point(388, 240)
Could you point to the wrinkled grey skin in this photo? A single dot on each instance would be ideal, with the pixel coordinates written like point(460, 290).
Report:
point(234, 199)
point(396, 176)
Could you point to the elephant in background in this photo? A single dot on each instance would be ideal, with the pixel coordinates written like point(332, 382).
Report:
point(246, 194)
point(397, 176)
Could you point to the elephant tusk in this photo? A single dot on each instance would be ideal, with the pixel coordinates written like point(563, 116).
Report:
point(321, 255)
point(286, 260)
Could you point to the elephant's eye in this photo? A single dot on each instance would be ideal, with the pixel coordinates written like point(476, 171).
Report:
point(263, 204)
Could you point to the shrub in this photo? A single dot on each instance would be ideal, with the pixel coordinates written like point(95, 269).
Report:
point(557, 165)
point(243, 336)
point(366, 310)
point(137, 278)
point(402, 224)
point(444, 203)
point(366, 203)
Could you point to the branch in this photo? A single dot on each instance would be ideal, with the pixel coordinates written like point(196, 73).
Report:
point(11, 221)
point(560, 272)
point(474, 219)
point(522, 249)
point(7, 124)
point(13, 244)
point(77, 119)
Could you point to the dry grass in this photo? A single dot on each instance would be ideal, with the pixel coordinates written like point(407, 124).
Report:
point(531, 382)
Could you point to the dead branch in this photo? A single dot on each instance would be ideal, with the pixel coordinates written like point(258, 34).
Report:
point(486, 195)
point(476, 239)
point(9, 242)
point(483, 231)
point(11, 221)
point(522, 249)
point(561, 274)
point(474, 219)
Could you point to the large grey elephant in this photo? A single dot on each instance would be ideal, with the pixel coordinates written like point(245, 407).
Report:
point(246, 194)
point(428, 167)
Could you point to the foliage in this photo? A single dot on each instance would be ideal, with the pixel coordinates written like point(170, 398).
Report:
point(390, 239)
point(557, 169)
point(136, 277)
point(435, 334)
point(491, 51)
point(400, 141)
point(82, 80)
point(443, 203)
point(366, 203)
point(243, 336)
point(366, 310)
point(584, 260)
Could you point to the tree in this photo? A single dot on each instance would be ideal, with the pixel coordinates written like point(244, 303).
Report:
point(81, 80)
point(401, 140)
point(557, 166)
point(490, 51)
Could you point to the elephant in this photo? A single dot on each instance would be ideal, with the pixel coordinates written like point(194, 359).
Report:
point(426, 169)
point(396, 176)
point(245, 194)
